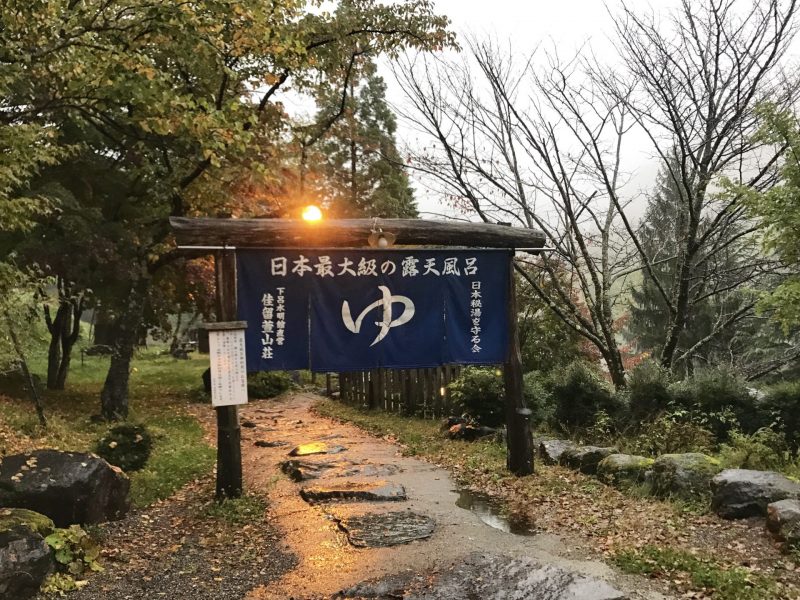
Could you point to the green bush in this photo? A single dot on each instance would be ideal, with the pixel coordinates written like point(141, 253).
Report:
point(539, 398)
point(670, 433)
point(127, 446)
point(782, 405)
point(721, 401)
point(479, 394)
point(764, 450)
point(268, 384)
point(648, 391)
point(579, 394)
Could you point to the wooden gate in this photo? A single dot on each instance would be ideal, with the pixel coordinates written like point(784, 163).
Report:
point(418, 392)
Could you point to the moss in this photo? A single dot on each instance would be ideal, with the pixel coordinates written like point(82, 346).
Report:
point(624, 469)
point(16, 517)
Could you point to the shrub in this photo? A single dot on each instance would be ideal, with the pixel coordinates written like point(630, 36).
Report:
point(578, 394)
point(648, 391)
point(721, 401)
point(782, 405)
point(127, 446)
point(268, 384)
point(671, 433)
point(539, 398)
point(764, 450)
point(479, 394)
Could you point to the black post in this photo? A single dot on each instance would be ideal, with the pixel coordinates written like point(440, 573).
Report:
point(519, 440)
point(229, 434)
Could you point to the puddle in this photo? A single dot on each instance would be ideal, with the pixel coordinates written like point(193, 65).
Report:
point(490, 513)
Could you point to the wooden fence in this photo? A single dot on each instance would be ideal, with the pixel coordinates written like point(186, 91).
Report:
point(420, 392)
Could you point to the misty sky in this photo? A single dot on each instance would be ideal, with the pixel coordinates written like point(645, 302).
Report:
point(522, 26)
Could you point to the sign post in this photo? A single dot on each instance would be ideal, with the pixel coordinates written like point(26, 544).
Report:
point(229, 434)
point(375, 323)
point(519, 459)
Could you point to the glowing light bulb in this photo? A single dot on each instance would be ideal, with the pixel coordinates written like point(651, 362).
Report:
point(383, 242)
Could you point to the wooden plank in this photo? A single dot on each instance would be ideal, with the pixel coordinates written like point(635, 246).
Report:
point(341, 233)
point(229, 434)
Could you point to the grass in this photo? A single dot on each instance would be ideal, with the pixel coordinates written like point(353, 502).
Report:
point(238, 511)
point(160, 389)
point(689, 571)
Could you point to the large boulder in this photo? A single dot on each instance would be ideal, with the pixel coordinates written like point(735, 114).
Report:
point(25, 558)
point(69, 487)
point(624, 469)
point(585, 458)
point(783, 520)
point(687, 476)
point(550, 451)
point(742, 493)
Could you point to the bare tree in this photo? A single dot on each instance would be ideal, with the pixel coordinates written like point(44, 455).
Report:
point(513, 144)
point(540, 144)
point(693, 85)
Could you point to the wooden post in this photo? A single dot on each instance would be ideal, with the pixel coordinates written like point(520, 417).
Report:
point(519, 457)
point(328, 385)
point(229, 434)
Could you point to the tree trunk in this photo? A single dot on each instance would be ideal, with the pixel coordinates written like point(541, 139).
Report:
point(55, 328)
point(26, 373)
point(70, 333)
point(114, 397)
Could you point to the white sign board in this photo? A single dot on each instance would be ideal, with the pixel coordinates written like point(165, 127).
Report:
point(228, 370)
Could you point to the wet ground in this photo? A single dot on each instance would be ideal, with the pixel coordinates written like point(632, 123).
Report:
point(365, 502)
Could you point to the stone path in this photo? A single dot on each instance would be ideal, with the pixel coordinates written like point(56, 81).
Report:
point(375, 524)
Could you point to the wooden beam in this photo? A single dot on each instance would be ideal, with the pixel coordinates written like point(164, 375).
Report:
point(519, 441)
point(344, 233)
point(229, 434)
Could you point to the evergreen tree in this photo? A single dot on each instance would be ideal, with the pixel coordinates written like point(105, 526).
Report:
point(361, 172)
point(705, 339)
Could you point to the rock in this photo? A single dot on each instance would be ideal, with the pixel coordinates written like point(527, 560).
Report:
point(550, 451)
point(468, 433)
point(22, 517)
point(379, 530)
point(585, 458)
point(249, 424)
point(624, 469)
point(489, 577)
point(300, 470)
point(69, 487)
point(448, 422)
point(316, 448)
point(374, 492)
point(686, 476)
point(25, 562)
point(25, 558)
point(741, 493)
point(267, 444)
point(783, 520)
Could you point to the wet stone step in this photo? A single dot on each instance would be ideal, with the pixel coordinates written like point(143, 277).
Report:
point(316, 448)
point(269, 444)
point(489, 577)
point(372, 492)
point(303, 470)
point(379, 530)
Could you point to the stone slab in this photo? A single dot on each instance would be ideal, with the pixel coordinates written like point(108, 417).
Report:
point(488, 577)
point(379, 530)
point(380, 491)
